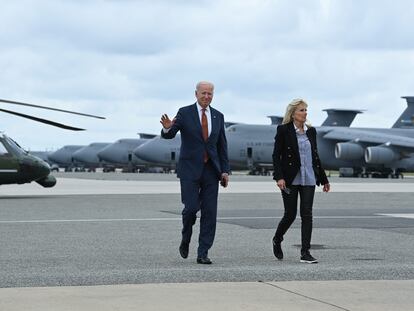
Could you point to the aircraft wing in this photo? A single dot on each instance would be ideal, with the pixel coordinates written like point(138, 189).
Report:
point(370, 137)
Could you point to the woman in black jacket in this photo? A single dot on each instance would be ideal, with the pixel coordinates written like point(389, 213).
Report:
point(297, 169)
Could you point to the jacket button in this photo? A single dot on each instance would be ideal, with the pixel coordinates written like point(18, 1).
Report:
point(289, 155)
point(288, 147)
point(290, 163)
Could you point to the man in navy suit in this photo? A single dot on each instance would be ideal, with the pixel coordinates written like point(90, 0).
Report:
point(202, 164)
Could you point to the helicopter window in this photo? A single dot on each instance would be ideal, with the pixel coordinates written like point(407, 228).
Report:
point(3, 150)
point(14, 146)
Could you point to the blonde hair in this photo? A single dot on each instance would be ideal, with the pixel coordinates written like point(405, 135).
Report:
point(291, 108)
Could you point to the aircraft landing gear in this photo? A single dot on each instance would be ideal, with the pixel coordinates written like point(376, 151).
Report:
point(369, 173)
point(259, 172)
point(395, 174)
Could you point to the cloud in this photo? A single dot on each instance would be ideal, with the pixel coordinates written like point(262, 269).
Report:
point(133, 60)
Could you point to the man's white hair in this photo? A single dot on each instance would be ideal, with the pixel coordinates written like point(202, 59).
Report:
point(204, 83)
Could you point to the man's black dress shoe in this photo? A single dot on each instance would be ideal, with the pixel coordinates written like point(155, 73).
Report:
point(277, 249)
point(204, 261)
point(184, 249)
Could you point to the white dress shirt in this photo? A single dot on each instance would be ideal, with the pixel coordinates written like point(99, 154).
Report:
point(208, 115)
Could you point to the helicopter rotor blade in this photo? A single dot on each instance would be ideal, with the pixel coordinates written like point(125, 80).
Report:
point(63, 126)
point(49, 108)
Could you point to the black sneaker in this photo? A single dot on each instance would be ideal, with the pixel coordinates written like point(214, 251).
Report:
point(277, 249)
point(307, 258)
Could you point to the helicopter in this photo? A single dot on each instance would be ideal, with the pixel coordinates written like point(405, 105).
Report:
point(17, 166)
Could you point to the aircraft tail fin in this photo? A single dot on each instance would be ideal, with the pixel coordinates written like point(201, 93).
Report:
point(406, 119)
point(146, 136)
point(276, 120)
point(340, 117)
point(228, 124)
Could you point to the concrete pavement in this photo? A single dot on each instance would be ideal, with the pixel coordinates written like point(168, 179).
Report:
point(381, 295)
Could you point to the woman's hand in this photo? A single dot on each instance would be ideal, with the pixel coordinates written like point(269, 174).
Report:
point(326, 187)
point(281, 184)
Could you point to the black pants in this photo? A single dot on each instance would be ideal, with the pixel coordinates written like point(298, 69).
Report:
point(290, 202)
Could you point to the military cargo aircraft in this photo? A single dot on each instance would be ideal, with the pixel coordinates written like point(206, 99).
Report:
point(362, 151)
point(164, 152)
point(120, 154)
point(64, 157)
point(88, 156)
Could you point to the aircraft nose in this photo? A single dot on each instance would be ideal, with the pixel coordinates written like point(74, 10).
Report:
point(145, 152)
point(108, 154)
point(35, 168)
point(53, 157)
point(43, 168)
point(82, 156)
point(59, 157)
point(102, 155)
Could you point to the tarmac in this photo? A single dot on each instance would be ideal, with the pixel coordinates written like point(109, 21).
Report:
point(110, 242)
point(295, 296)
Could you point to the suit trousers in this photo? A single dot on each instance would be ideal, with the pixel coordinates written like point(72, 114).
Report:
point(200, 195)
point(290, 202)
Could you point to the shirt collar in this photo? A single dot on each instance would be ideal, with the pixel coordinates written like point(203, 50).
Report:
point(305, 128)
point(199, 107)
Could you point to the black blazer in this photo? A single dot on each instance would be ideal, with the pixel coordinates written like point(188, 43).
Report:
point(286, 158)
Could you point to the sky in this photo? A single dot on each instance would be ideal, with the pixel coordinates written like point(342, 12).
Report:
point(132, 61)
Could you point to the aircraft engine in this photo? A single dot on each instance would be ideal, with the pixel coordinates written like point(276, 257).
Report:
point(47, 182)
point(380, 155)
point(348, 151)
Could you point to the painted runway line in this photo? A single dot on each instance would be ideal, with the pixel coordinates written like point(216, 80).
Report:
point(409, 216)
point(73, 186)
point(40, 221)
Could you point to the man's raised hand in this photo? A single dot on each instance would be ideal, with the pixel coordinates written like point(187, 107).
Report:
point(166, 122)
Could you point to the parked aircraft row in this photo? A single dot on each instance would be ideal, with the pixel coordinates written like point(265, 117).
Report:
point(354, 151)
point(105, 155)
point(125, 152)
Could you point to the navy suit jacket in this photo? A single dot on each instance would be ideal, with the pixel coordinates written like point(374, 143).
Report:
point(191, 162)
point(286, 158)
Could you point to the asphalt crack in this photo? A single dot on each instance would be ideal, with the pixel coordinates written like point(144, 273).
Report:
point(304, 296)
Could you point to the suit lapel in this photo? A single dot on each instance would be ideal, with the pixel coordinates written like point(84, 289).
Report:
point(214, 121)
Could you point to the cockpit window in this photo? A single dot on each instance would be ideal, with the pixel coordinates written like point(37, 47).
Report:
point(3, 150)
point(15, 146)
